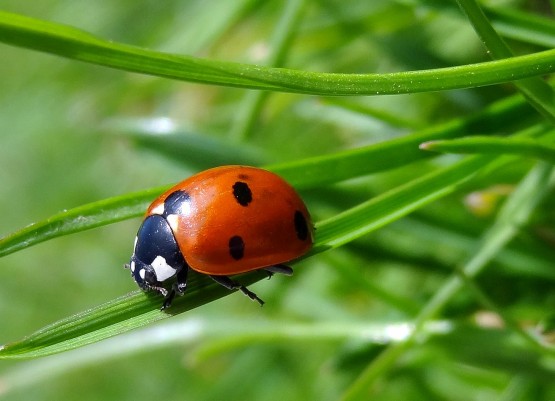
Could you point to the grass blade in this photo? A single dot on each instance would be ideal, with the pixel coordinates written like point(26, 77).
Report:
point(73, 43)
point(306, 173)
point(514, 214)
point(524, 26)
point(538, 92)
point(81, 218)
point(138, 309)
point(496, 146)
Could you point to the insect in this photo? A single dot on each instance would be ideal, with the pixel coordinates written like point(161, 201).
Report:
point(220, 222)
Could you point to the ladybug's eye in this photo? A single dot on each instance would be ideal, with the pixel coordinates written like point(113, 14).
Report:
point(149, 276)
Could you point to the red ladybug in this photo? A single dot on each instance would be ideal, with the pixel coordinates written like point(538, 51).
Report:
point(222, 221)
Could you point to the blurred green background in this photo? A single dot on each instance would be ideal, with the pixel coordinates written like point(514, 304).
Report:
point(70, 135)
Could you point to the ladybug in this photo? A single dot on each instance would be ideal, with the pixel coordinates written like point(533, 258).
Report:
point(220, 222)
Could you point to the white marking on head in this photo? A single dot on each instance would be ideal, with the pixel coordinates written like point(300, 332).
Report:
point(162, 269)
point(132, 266)
point(173, 221)
point(142, 273)
point(158, 209)
point(135, 243)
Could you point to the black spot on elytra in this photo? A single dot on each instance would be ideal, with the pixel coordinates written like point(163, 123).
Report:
point(236, 247)
point(175, 202)
point(301, 226)
point(242, 193)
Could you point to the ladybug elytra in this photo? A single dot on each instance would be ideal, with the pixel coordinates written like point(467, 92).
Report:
point(220, 222)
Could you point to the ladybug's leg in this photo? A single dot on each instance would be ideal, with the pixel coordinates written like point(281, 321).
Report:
point(168, 300)
point(281, 269)
point(168, 295)
point(234, 285)
point(181, 281)
point(177, 288)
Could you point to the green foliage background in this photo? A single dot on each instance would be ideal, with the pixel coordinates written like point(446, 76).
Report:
point(432, 275)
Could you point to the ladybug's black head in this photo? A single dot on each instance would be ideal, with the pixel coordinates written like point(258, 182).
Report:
point(156, 257)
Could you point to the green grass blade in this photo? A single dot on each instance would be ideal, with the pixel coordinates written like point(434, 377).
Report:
point(249, 108)
point(138, 309)
point(495, 145)
point(306, 173)
point(537, 91)
point(73, 43)
point(81, 218)
point(523, 26)
point(395, 153)
point(114, 317)
point(515, 213)
point(394, 204)
point(216, 335)
point(173, 142)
